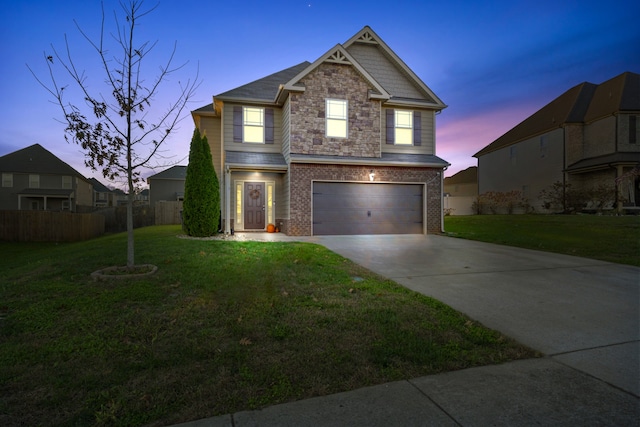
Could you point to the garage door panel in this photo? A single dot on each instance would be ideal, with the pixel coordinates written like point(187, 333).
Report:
point(363, 208)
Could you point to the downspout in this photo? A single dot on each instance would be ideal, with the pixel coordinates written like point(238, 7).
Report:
point(227, 197)
point(442, 199)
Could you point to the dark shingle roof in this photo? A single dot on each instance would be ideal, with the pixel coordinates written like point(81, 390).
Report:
point(580, 104)
point(265, 88)
point(174, 172)
point(98, 186)
point(467, 176)
point(262, 159)
point(36, 159)
point(420, 160)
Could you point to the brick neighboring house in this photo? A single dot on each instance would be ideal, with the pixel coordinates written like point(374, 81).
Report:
point(342, 145)
point(587, 137)
point(33, 178)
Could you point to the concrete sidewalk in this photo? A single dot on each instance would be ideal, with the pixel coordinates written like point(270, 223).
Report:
point(582, 314)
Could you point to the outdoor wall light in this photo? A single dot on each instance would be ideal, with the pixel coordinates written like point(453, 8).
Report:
point(372, 175)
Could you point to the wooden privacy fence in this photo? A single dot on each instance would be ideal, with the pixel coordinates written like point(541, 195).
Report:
point(168, 213)
point(47, 226)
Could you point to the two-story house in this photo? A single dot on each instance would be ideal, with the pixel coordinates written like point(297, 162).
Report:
point(342, 145)
point(35, 179)
point(587, 137)
point(167, 185)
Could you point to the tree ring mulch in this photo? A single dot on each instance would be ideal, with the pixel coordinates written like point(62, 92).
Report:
point(124, 272)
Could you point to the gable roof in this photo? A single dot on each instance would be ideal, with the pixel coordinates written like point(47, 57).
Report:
point(582, 103)
point(174, 172)
point(393, 81)
point(98, 186)
point(36, 159)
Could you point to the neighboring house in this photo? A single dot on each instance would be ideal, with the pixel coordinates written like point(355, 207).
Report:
point(142, 197)
point(35, 179)
point(167, 185)
point(463, 183)
point(342, 145)
point(103, 196)
point(461, 192)
point(588, 137)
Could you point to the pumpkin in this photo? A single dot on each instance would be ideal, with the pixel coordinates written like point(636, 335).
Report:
point(271, 228)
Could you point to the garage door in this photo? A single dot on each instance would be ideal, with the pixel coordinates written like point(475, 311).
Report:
point(367, 208)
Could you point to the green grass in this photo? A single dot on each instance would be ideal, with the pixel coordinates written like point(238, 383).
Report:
point(608, 238)
point(221, 327)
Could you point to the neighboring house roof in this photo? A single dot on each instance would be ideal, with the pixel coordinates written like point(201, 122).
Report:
point(582, 103)
point(98, 186)
point(605, 161)
point(467, 176)
point(35, 159)
point(390, 77)
point(174, 172)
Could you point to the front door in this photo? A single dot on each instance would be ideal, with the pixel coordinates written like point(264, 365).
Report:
point(254, 206)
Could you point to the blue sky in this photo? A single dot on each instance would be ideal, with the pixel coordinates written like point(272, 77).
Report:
point(493, 63)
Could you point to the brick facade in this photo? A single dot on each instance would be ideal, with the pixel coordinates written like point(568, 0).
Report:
point(302, 176)
point(307, 114)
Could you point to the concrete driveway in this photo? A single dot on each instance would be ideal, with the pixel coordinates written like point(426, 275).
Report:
point(581, 313)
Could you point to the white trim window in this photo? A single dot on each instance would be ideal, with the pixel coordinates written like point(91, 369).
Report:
point(34, 181)
point(7, 180)
point(336, 118)
point(66, 182)
point(404, 127)
point(253, 124)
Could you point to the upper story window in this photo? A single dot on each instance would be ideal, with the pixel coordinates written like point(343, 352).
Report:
point(513, 155)
point(66, 182)
point(7, 180)
point(253, 125)
point(34, 181)
point(633, 129)
point(544, 143)
point(404, 127)
point(336, 118)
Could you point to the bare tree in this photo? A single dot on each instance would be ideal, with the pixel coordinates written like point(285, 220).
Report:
point(113, 130)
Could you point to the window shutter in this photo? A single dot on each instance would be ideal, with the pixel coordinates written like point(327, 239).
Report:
point(417, 128)
point(391, 129)
point(237, 124)
point(268, 126)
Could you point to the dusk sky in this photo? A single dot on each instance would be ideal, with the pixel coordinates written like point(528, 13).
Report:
point(493, 63)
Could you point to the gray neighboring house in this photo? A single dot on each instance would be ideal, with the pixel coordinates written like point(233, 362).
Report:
point(167, 185)
point(341, 145)
point(103, 196)
point(33, 178)
point(587, 137)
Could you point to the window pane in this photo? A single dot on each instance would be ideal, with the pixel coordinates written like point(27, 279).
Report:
point(404, 136)
point(336, 109)
point(337, 128)
point(34, 181)
point(7, 180)
point(254, 116)
point(253, 134)
point(404, 119)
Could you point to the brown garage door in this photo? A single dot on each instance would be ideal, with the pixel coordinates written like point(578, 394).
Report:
point(367, 208)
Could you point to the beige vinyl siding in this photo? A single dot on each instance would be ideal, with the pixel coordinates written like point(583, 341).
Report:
point(276, 147)
point(499, 171)
point(599, 137)
point(83, 192)
point(427, 119)
point(210, 126)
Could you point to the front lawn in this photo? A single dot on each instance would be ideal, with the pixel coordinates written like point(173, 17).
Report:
point(221, 327)
point(607, 238)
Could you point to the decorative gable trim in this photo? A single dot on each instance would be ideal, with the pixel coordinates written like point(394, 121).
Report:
point(366, 36)
point(336, 55)
point(338, 58)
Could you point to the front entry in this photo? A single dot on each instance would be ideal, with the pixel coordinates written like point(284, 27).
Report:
point(254, 206)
